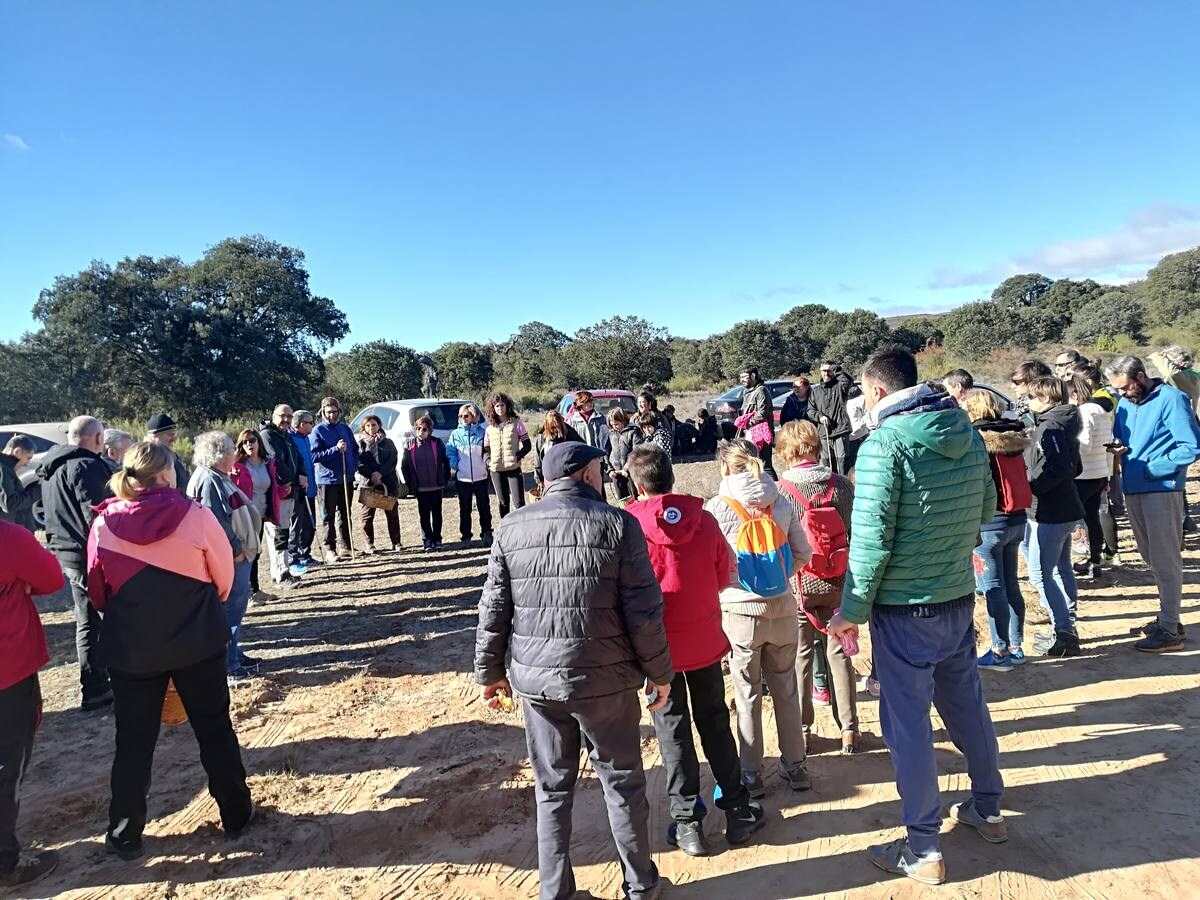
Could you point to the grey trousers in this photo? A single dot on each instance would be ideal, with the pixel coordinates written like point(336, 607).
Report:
point(554, 731)
point(765, 648)
point(841, 672)
point(1157, 521)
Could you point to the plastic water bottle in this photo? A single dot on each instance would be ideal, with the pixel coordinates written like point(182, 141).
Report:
point(848, 640)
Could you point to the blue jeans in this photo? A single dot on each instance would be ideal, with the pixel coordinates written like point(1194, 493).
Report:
point(996, 565)
point(926, 654)
point(1050, 571)
point(235, 608)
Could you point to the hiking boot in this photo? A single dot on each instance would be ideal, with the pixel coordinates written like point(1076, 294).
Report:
point(100, 701)
point(250, 662)
point(437, 545)
point(1143, 630)
point(688, 837)
point(261, 597)
point(991, 828)
point(1159, 640)
point(310, 562)
point(30, 869)
point(298, 569)
point(850, 742)
point(742, 822)
point(995, 663)
point(820, 696)
point(126, 848)
point(754, 784)
point(486, 537)
point(898, 859)
point(1065, 644)
point(797, 777)
point(1017, 655)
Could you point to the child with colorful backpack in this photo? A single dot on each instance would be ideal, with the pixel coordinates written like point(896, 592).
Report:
point(822, 500)
point(758, 610)
point(692, 562)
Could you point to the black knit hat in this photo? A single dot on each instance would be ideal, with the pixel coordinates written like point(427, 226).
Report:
point(160, 423)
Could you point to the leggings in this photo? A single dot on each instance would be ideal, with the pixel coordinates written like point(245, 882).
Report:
point(1091, 492)
point(510, 489)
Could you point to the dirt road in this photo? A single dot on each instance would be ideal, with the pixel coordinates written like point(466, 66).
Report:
point(379, 775)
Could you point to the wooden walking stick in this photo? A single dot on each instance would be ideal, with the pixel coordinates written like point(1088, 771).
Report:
point(346, 493)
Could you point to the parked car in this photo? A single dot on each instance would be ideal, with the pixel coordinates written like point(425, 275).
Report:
point(728, 406)
point(398, 416)
point(46, 436)
point(604, 398)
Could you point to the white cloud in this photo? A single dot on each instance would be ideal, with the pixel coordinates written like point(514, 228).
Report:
point(15, 142)
point(1124, 254)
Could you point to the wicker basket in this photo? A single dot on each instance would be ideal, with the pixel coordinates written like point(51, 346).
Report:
point(173, 712)
point(376, 497)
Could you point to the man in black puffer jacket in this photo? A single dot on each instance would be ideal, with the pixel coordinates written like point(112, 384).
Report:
point(570, 591)
point(75, 479)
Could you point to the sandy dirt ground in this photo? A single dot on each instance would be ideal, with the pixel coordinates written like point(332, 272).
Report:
point(378, 774)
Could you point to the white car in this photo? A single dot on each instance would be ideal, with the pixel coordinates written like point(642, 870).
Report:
point(46, 436)
point(398, 416)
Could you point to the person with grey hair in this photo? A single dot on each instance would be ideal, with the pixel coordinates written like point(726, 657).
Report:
point(304, 513)
point(74, 480)
point(1157, 437)
point(214, 454)
point(957, 382)
point(17, 500)
point(116, 442)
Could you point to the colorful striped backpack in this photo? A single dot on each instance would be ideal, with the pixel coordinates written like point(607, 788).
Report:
point(764, 557)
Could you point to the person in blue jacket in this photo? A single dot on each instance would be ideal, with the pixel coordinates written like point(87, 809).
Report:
point(1157, 438)
point(464, 449)
point(335, 459)
point(304, 515)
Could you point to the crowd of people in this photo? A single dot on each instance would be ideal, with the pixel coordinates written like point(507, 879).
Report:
point(583, 605)
point(892, 502)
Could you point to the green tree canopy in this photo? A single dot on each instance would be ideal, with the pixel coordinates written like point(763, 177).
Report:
point(755, 342)
point(1021, 290)
point(374, 371)
point(1172, 288)
point(1113, 314)
point(1070, 296)
point(861, 334)
point(237, 331)
point(621, 352)
point(463, 369)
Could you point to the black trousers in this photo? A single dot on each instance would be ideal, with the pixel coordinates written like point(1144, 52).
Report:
point(483, 502)
point(510, 489)
point(429, 507)
point(138, 702)
point(20, 714)
point(333, 501)
point(1091, 492)
point(92, 677)
point(300, 536)
point(673, 726)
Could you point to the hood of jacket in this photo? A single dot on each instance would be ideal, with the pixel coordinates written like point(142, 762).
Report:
point(931, 420)
point(152, 516)
point(669, 520)
point(60, 456)
point(1002, 436)
point(919, 398)
point(752, 491)
point(809, 473)
point(1062, 415)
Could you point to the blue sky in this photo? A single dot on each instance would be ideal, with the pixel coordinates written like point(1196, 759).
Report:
point(453, 170)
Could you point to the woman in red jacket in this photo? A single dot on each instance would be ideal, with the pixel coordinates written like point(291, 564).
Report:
point(26, 568)
point(692, 562)
point(159, 568)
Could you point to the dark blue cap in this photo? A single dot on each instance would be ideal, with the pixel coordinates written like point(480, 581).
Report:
point(568, 458)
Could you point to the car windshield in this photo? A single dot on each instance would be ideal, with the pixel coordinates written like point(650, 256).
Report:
point(734, 393)
point(603, 404)
point(444, 415)
point(779, 389)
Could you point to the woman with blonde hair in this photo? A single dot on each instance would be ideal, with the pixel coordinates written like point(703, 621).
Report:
point(555, 430)
point(464, 448)
point(762, 629)
point(811, 487)
point(159, 569)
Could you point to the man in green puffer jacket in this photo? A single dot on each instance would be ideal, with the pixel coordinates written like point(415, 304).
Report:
point(923, 488)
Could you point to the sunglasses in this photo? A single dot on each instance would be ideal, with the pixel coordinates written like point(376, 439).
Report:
point(422, 429)
point(466, 416)
point(250, 441)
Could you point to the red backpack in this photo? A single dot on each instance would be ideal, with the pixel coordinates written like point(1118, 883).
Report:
point(1012, 482)
point(825, 531)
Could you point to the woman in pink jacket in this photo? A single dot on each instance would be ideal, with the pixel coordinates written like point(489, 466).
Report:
point(159, 569)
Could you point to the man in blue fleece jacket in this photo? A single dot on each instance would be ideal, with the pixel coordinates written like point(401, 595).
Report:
point(1158, 438)
point(335, 458)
